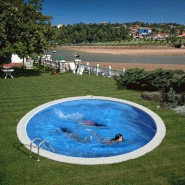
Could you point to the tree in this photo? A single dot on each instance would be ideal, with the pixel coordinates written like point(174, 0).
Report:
point(24, 29)
point(181, 28)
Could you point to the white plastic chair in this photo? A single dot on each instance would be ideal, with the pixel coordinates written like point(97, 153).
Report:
point(80, 70)
point(72, 67)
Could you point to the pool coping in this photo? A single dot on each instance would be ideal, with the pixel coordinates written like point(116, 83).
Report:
point(159, 136)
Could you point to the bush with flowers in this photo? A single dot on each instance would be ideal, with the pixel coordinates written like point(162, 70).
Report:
point(166, 100)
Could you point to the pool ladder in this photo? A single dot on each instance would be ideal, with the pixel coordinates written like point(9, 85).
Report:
point(42, 142)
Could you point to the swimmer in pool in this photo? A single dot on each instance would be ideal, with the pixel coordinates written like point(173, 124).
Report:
point(118, 138)
point(77, 137)
point(91, 123)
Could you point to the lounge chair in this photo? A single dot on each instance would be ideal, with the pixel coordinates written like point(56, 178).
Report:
point(80, 70)
point(72, 67)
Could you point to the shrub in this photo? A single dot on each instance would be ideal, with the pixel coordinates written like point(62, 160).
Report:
point(178, 45)
point(163, 97)
point(150, 96)
point(39, 66)
point(178, 82)
point(153, 80)
point(134, 77)
point(176, 100)
point(179, 71)
point(160, 78)
point(48, 68)
point(44, 68)
point(182, 99)
point(165, 100)
point(119, 79)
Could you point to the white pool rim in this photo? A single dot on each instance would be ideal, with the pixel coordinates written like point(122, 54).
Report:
point(157, 139)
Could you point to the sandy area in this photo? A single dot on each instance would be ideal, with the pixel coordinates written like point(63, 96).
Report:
point(129, 50)
point(132, 50)
point(147, 67)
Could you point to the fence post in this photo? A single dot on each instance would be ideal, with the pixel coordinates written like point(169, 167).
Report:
point(123, 71)
point(61, 66)
point(109, 72)
point(88, 67)
point(97, 69)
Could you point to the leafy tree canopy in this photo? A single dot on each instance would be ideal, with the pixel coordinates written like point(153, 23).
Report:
point(24, 30)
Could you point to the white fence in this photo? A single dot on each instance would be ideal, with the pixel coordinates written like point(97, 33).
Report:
point(96, 70)
point(101, 71)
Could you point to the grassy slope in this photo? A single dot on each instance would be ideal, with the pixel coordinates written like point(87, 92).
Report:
point(164, 165)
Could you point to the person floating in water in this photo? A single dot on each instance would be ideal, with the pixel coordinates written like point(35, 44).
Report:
point(66, 130)
point(118, 138)
point(91, 123)
point(77, 137)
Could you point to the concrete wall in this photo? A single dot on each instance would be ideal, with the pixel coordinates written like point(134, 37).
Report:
point(15, 59)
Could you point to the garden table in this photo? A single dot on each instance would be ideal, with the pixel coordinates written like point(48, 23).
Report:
point(8, 72)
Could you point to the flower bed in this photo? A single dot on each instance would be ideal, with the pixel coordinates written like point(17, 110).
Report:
point(166, 100)
point(11, 65)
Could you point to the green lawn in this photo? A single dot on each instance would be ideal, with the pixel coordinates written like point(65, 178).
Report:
point(164, 165)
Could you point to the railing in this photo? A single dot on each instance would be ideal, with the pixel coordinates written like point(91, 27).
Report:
point(42, 142)
point(101, 71)
point(98, 71)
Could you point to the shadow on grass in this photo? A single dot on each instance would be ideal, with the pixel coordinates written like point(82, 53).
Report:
point(134, 87)
point(120, 86)
point(19, 72)
point(21, 148)
point(174, 179)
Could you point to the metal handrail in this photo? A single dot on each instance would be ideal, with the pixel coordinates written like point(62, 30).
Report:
point(42, 142)
point(32, 144)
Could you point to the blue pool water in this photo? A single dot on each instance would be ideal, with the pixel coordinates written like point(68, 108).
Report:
point(136, 126)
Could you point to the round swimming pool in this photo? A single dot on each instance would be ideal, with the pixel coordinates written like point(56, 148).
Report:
point(78, 129)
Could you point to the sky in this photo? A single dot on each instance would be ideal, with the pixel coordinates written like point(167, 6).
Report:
point(121, 11)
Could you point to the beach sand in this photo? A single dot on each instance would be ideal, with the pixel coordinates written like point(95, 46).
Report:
point(146, 67)
point(132, 50)
point(129, 50)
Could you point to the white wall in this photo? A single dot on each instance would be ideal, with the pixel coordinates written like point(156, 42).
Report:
point(15, 59)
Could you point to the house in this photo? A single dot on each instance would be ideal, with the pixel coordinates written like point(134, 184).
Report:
point(177, 31)
point(182, 36)
point(134, 34)
point(12, 61)
point(59, 25)
point(138, 37)
point(133, 30)
point(160, 35)
point(172, 26)
point(144, 31)
point(139, 31)
point(15, 59)
point(103, 23)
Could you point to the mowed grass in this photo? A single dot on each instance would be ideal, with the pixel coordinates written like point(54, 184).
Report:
point(164, 165)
